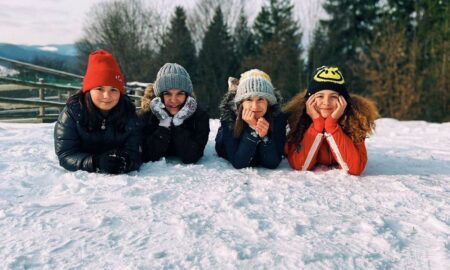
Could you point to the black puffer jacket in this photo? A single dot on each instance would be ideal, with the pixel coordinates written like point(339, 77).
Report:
point(186, 141)
point(76, 146)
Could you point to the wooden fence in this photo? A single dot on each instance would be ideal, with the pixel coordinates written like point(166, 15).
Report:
point(44, 107)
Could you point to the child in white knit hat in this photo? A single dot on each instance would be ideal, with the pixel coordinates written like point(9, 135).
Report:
point(252, 131)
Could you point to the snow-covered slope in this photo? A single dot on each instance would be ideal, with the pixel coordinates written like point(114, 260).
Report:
point(211, 216)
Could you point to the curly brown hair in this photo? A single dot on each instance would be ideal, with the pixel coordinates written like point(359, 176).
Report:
point(358, 121)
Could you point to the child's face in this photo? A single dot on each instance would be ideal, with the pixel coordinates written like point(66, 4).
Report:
point(105, 97)
point(257, 105)
point(326, 102)
point(174, 100)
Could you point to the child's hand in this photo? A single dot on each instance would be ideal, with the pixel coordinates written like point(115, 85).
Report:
point(262, 127)
point(341, 105)
point(157, 106)
point(249, 117)
point(187, 111)
point(311, 107)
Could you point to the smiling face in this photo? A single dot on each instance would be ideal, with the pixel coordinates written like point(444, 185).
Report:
point(258, 105)
point(174, 100)
point(326, 102)
point(105, 97)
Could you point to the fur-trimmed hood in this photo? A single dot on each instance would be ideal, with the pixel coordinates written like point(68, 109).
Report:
point(149, 94)
point(359, 125)
point(228, 108)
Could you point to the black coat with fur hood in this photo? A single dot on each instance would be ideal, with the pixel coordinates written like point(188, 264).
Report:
point(186, 141)
point(249, 150)
point(76, 144)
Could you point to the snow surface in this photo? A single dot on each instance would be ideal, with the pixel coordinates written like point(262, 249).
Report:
point(211, 216)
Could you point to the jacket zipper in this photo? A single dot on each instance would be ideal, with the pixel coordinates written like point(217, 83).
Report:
point(103, 127)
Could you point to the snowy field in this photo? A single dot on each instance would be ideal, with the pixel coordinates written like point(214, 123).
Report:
point(211, 216)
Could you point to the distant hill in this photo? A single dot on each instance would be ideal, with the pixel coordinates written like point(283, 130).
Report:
point(61, 57)
point(62, 49)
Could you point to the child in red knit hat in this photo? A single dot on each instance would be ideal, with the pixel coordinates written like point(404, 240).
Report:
point(97, 131)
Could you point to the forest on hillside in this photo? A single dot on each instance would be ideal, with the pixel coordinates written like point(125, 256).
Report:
point(395, 52)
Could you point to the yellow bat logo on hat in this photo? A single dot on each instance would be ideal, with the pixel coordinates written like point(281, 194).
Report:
point(329, 74)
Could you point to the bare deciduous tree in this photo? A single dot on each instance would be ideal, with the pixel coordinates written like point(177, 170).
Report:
point(128, 30)
point(201, 16)
point(391, 72)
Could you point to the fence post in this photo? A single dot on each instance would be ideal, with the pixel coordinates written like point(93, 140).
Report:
point(60, 98)
point(139, 91)
point(41, 97)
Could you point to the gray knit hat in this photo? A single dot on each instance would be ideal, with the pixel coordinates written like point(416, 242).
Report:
point(172, 76)
point(255, 83)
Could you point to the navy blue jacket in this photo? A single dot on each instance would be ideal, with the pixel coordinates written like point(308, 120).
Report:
point(186, 141)
point(249, 149)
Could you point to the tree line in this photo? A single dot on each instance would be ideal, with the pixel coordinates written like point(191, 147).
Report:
point(393, 51)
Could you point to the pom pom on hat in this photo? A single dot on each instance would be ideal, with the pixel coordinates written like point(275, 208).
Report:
point(255, 83)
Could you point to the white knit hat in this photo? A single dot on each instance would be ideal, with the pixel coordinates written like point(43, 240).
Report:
point(255, 83)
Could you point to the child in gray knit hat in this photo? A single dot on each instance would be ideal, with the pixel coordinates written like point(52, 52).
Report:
point(173, 124)
point(174, 85)
point(252, 131)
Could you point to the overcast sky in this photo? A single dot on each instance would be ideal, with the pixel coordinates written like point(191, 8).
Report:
point(42, 22)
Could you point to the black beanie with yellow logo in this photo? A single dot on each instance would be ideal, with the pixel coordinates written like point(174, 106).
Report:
point(327, 78)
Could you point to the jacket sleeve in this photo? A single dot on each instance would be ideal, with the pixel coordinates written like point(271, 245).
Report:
point(351, 157)
point(271, 151)
point(133, 145)
point(155, 141)
point(303, 156)
point(68, 145)
point(240, 151)
point(190, 144)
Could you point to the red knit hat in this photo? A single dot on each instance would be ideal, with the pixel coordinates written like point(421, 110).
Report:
point(102, 70)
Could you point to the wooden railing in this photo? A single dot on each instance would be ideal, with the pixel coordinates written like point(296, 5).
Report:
point(41, 101)
point(45, 70)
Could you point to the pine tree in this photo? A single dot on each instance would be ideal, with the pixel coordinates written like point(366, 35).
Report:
point(433, 38)
point(349, 32)
point(279, 49)
point(178, 46)
point(244, 42)
point(426, 27)
point(216, 62)
point(316, 51)
point(399, 12)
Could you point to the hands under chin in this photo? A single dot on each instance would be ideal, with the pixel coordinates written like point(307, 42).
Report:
point(340, 109)
point(260, 125)
point(311, 108)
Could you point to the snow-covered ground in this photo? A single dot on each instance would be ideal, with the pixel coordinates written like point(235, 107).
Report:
point(211, 216)
point(4, 71)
